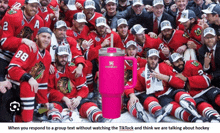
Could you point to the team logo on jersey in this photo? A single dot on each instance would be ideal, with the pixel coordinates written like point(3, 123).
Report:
point(198, 31)
point(97, 39)
point(12, 11)
point(195, 63)
point(75, 34)
point(185, 35)
point(64, 85)
point(37, 71)
point(26, 32)
point(72, 64)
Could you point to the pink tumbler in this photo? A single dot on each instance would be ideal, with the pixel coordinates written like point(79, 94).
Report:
point(111, 80)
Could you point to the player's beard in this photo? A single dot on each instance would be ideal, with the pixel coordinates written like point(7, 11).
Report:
point(44, 3)
point(61, 64)
point(151, 68)
point(179, 70)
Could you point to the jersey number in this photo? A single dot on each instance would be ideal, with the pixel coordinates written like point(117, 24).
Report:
point(5, 27)
point(23, 56)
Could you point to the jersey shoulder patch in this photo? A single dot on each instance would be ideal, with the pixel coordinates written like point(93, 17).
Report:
point(12, 12)
point(195, 63)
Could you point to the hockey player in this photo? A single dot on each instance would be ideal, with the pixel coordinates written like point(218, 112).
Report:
point(29, 71)
point(19, 26)
point(67, 91)
point(77, 57)
point(198, 85)
point(131, 50)
point(46, 13)
point(101, 38)
point(157, 86)
point(123, 32)
point(91, 15)
point(79, 29)
point(172, 38)
point(192, 29)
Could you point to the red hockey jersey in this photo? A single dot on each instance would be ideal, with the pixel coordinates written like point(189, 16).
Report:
point(44, 13)
point(15, 27)
point(178, 38)
point(35, 64)
point(83, 34)
point(141, 62)
point(128, 38)
point(197, 79)
point(91, 22)
point(164, 69)
point(62, 84)
point(97, 40)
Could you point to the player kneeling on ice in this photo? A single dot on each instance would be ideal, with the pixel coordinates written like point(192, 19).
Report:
point(67, 91)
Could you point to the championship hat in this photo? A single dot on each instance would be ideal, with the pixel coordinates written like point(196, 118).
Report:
point(130, 43)
point(80, 17)
point(153, 52)
point(174, 57)
point(165, 25)
point(60, 24)
point(209, 30)
point(137, 29)
point(62, 50)
point(187, 15)
point(121, 21)
point(89, 4)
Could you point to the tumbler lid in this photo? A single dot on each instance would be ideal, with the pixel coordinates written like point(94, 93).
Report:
point(111, 52)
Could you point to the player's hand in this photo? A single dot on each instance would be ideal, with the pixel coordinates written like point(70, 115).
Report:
point(152, 35)
point(106, 42)
point(181, 49)
point(207, 59)
point(166, 51)
point(79, 6)
point(159, 76)
point(75, 102)
point(203, 22)
point(87, 44)
point(167, 62)
point(191, 45)
point(4, 85)
point(180, 75)
point(68, 102)
point(32, 45)
point(34, 84)
point(149, 8)
point(78, 71)
point(133, 99)
point(173, 7)
point(52, 69)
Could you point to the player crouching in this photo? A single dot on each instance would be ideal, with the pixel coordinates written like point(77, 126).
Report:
point(67, 91)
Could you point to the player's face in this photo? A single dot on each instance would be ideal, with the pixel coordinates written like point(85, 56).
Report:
point(138, 9)
point(187, 24)
point(3, 5)
point(167, 33)
point(62, 60)
point(60, 33)
point(131, 51)
point(181, 4)
point(140, 38)
point(89, 13)
point(210, 40)
point(179, 64)
point(158, 10)
point(31, 9)
point(43, 40)
point(198, 2)
point(122, 30)
point(79, 26)
point(111, 7)
point(152, 62)
point(210, 18)
point(101, 30)
point(44, 2)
